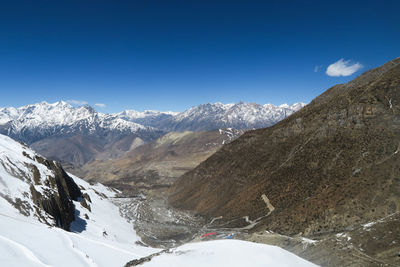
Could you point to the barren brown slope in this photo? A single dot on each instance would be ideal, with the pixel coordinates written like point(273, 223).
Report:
point(331, 165)
point(76, 150)
point(160, 163)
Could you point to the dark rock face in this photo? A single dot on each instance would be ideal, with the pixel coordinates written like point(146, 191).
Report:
point(331, 165)
point(58, 204)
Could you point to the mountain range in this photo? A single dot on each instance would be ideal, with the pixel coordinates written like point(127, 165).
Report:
point(208, 117)
point(33, 122)
point(77, 135)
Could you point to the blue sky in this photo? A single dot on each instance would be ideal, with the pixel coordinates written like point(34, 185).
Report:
point(170, 55)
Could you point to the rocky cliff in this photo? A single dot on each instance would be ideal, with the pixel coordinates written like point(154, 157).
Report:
point(36, 186)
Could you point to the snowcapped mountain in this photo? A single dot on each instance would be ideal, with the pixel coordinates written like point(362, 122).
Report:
point(150, 118)
point(73, 135)
point(34, 122)
point(214, 116)
point(77, 135)
point(37, 121)
point(145, 115)
point(239, 116)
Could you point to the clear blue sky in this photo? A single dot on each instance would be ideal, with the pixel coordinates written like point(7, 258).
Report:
point(170, 55)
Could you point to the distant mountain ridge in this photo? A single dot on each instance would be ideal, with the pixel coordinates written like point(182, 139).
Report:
point(214, 116)
point(37, 121)
point(32, 122)
point(73, 135)
point(77, 135)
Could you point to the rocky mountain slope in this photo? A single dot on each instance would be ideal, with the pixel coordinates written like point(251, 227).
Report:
point(157, 164)
point(328, 168)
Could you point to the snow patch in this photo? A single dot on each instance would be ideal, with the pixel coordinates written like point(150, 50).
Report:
point(232, 253)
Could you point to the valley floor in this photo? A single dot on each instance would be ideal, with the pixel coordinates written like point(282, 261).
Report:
point(374, 244)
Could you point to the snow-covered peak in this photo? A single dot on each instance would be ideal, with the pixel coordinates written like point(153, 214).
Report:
point(58, 113)
point(240, 107)
point(203, 110)
point(44, 113)
point(241, 115)
point(35, 121)
point(133, 114)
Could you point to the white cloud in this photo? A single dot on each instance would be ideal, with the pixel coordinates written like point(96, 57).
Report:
point(343, 68)
point(100, 105)
point(77, 102)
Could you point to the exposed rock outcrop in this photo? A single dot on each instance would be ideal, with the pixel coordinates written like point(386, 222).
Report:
point(57, 203)
point(36, 186)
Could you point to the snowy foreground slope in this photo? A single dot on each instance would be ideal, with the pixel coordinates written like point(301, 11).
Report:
point(104, 239)
point(227, 253)
point(98, 236)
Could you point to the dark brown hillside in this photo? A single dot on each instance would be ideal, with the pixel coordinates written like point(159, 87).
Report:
point(331, 165)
